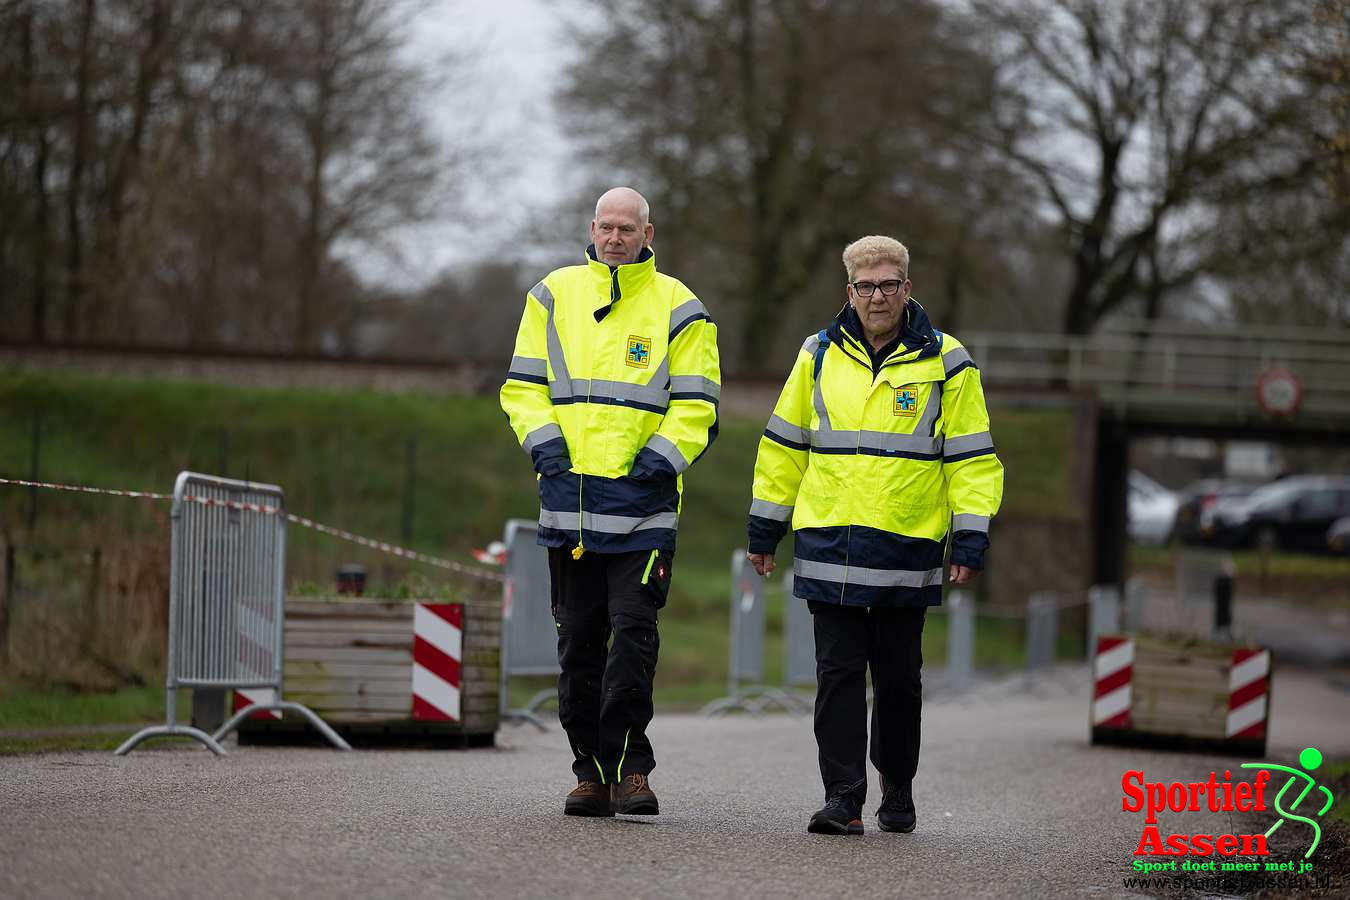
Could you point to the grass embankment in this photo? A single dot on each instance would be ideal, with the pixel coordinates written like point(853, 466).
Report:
point(42, 718)
point(440, 474)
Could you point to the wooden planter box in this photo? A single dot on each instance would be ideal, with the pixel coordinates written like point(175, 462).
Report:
point(1180, 694)
point(407, 672)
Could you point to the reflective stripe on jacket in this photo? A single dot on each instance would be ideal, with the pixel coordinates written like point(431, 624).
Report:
point(613, 392)
point(874, 470)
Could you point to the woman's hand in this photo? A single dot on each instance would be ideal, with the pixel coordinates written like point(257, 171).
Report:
point(763, 562)
point(963, 574)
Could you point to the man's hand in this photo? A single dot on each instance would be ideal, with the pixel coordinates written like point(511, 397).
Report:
point(763, 562)
point(963, 574)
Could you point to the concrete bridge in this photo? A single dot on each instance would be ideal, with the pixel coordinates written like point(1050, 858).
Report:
point(1287, 385)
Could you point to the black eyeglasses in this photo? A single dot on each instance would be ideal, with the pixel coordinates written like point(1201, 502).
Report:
point(889, 288)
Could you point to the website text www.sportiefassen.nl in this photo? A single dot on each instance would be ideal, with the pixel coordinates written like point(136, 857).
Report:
point(1241, 883)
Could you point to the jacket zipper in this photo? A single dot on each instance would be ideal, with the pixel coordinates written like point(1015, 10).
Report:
point(580, 548)
point(614, 295)
point(848, 541)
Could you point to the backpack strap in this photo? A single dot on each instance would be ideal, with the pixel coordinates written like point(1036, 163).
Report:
point(820, 354)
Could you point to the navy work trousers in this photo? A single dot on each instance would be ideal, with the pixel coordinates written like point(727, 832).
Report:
point(605, 606)
point(849, 641)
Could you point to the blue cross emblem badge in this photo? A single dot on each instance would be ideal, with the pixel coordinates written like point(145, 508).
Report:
point(639, 352)
point(906, 402)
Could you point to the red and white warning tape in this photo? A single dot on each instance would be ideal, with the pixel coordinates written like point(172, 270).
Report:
point(394, 549)
point(144, 495)
point(382, 546)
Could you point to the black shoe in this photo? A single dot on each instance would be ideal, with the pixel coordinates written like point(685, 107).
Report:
point(633, 796)
point(896, 812)
point(588, 799)
point(841, 815)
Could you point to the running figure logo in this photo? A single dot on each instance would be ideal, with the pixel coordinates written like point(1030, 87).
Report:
point(1310, 759)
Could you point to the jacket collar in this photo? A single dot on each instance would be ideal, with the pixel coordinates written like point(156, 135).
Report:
point(917, 338)
point(626, 280)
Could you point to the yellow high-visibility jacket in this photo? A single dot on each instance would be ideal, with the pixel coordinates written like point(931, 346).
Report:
point(613, 391)
point(873, 467)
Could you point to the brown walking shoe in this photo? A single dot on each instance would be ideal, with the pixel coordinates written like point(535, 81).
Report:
point(588, 799)
point(633, 796)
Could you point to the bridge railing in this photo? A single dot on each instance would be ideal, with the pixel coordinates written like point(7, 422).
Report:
point(1173, 366)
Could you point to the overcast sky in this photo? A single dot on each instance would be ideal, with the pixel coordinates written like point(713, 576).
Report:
point(514, 50)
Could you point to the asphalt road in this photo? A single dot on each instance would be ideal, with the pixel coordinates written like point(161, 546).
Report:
point(1012, 802)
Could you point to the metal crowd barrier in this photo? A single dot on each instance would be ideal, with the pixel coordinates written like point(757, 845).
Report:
point(799, 643)
point(745, 689)
point(226, 596)
point(529, 635)
point(1042, 631)
point(1041, 616)
point(1136, 605)
point(1103, 614)
point(745, 674)
point(960, 610)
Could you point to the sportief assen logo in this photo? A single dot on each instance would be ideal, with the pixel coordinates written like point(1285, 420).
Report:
point(1226, 796)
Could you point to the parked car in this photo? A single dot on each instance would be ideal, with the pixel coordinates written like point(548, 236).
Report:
point(1151, 510)
point(1197, 501)
point(1338, 536)
point(1291, 514)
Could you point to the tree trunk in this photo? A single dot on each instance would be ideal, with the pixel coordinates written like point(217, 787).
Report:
point(149, 66)
point(79, 145)
point(41, 213)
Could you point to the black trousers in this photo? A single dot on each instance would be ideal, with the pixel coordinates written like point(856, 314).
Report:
point(605, 606)
point(849, 640)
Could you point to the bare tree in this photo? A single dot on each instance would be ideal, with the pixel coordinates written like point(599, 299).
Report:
point(1285, 251)
point(183, 170)
point(370, 161)
point(768, 135)
point(26, 110)
point(1141, 122)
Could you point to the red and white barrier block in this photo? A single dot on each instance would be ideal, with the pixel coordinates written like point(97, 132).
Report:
point(1248, 685)
point(245, 697)
point(1180, 694)
point(437, 657)
point(1112, 670)
point(438, 651)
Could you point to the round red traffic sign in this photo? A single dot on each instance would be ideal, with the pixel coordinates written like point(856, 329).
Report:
point(1279, 392)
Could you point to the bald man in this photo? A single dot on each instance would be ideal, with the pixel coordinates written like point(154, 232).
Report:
point(613, 392)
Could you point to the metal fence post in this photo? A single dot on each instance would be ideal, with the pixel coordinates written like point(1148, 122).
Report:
point(33, 470)
point(1136, 604)
point(6, 606)
point(1223, 606)
point(1103, 614)
point(409, 487)
point(1042, 630)
point(89, 614)
point(960, 637)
